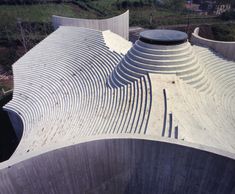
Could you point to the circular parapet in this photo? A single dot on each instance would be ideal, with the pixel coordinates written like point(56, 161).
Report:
point(163, 37)
point(224, 48)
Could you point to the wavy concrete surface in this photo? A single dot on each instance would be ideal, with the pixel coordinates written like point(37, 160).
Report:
point(118, 24)
point(226, 49)
point(80, 84)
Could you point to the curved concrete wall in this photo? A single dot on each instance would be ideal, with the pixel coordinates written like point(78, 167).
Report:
point(118, 24)
point(224, 48)
point(122, 166)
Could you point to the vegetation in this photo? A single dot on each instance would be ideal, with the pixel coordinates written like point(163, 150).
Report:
point(30, 2)
point(171, 4)
point(24, 23)
point(224, 32)
point(229, 15)
point(22, 26)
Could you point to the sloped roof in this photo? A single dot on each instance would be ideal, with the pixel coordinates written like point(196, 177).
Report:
point(77, 85)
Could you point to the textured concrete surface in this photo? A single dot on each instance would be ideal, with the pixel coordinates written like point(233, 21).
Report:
point(197, 83)
point(80, 84)
point(226, 49)
point(122, 166)
point(85, 85)
point(118, 24)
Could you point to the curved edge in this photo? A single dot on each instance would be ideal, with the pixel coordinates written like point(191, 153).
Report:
point(121, 166)
point(116, 43)
point(171, 141)
point(226, 49)
point(163, 37)
point(16, 121)
point(117, 24)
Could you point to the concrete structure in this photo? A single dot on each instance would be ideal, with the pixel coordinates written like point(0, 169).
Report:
point(118, 24)
point(226, 49)
point(122, 166)
point(101, 115)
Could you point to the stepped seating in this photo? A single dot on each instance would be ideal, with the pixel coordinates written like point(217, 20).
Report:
point(144, 58)
point(220, 73)
point(84, 85)
point(62, 93)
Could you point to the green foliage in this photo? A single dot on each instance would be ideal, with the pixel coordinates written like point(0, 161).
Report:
point(8, 57)
point(224, 32)
point(228, 15)
point(31, 2)
point(221, 2)
point(35, 19)
point(129, 4)
point(34, 13)
point(171, 4)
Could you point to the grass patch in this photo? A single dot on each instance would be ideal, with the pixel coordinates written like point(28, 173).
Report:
point(36, 24)
point(224, 32)
point(34, 13)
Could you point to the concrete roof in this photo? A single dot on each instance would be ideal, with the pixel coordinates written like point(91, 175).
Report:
point(80, 84)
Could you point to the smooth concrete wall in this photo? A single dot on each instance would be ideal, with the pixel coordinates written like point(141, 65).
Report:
point(116, 166)
point(118, 24)
point(226, 49)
